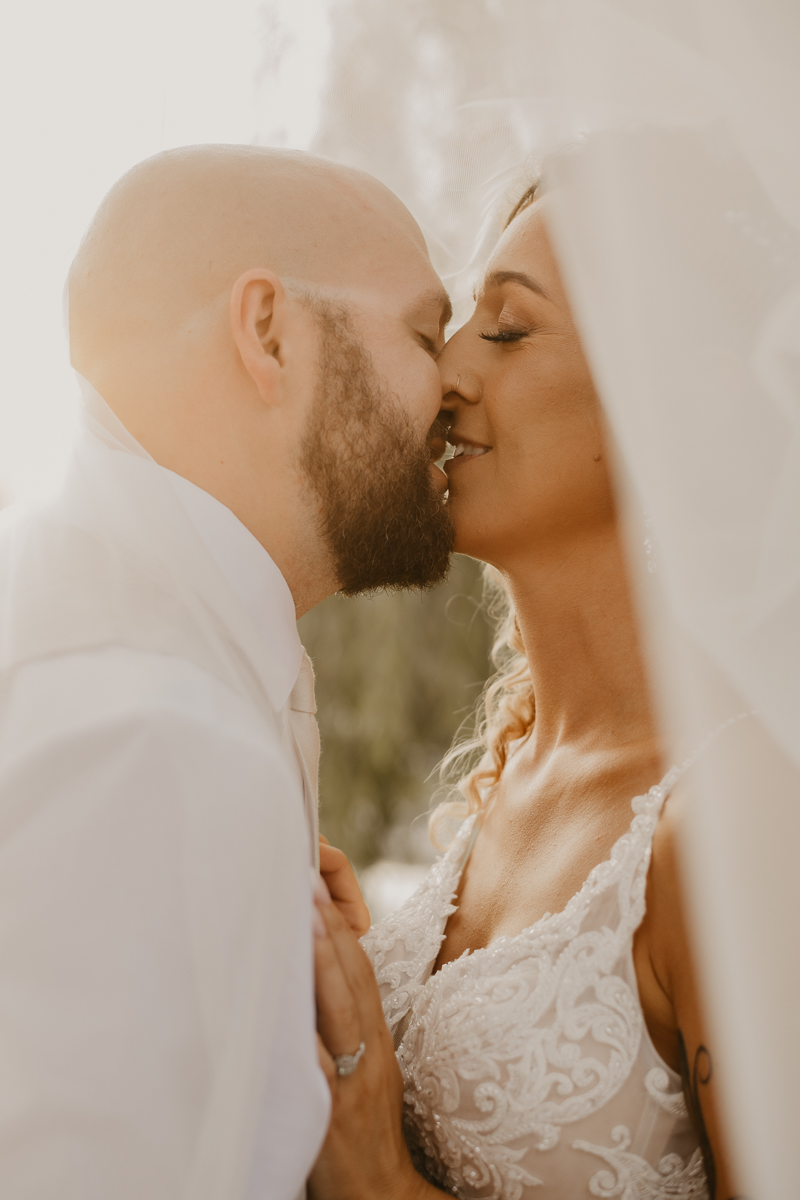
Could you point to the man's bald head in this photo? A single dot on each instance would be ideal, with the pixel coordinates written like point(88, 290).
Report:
point(265, 324)
point(176, 231)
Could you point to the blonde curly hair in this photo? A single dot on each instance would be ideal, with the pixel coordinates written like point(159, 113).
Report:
point(505, 714)
point(507, 708)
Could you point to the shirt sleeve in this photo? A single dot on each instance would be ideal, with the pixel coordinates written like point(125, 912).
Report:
point(149, 835)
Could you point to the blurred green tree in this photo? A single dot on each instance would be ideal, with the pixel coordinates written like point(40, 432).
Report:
point(397, 673)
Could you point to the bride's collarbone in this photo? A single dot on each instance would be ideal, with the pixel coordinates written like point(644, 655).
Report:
point(533, 853)
point(502, 893)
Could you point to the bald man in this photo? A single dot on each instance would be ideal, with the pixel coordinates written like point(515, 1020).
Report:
point(255, 333)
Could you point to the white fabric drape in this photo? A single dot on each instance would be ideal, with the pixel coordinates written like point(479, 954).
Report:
point(669, 134)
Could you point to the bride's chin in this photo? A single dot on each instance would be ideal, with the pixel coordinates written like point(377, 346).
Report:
point(462, 542)
point(474, 538)
point(469, 526)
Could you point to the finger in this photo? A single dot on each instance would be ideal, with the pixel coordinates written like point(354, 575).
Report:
point(342, 885)
point(324, 840)
point(357, 972)
point(322, 893)
point(356, 916)
point(338, 1019)
point(334, 865)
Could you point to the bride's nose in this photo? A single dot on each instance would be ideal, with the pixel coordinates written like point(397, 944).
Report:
point(460, 385)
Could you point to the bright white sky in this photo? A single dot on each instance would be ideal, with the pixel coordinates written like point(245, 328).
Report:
point(87, 89)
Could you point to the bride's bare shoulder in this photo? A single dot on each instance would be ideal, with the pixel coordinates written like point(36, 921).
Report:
point(660, 942)
point(665, 920)
point(667, 967)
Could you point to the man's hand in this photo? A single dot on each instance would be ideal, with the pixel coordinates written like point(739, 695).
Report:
point(340, 880)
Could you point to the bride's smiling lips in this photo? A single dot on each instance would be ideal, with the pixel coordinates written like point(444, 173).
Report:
point(465, 449)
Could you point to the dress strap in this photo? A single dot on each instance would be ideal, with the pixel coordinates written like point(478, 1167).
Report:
point(647, 810)
point(674, 774)
point(472, 839)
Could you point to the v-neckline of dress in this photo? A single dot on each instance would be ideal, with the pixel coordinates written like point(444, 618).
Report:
point(648, 806)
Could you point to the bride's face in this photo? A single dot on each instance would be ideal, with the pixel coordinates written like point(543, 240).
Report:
point(519, 390)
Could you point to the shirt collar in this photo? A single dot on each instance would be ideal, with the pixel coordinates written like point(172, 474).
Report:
point(250, 572)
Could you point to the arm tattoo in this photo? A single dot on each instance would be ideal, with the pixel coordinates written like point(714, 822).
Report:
point(693, 1079)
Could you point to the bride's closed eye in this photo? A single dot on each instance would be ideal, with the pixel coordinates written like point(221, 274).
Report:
point(512, 334)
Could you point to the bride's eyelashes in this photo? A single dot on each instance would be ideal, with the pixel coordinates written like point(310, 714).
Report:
point(507, 334)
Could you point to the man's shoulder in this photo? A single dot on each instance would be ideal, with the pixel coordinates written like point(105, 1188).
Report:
point(116, 562)
point(63, 587)
point(120, 694)
point(17, 521)
point(67, 590)
point(47, 544)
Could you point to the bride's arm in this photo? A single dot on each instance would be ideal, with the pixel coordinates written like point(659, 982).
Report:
point(364, 1155)
point(672, 998)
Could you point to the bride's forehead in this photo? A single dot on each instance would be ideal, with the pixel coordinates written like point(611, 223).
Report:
point(526, 236)
point(525, 246)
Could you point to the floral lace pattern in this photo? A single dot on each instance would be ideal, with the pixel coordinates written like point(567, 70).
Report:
point(528, 1060)
point(633, 1178)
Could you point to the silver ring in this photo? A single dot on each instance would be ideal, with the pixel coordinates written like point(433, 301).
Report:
point(346, 1063)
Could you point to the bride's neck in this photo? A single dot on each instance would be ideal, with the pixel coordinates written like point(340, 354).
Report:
point(579, 627)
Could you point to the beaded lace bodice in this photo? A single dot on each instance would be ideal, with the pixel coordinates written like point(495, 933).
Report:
point(528, 1068)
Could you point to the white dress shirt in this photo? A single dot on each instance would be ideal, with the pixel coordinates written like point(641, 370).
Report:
point(296, 1098)
point(156, 1000)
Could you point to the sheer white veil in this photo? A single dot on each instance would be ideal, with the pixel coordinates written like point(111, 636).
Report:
point(669, 132)
point(100, 419)
point(95, 414)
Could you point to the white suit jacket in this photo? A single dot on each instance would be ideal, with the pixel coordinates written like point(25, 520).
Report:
point(148, 926)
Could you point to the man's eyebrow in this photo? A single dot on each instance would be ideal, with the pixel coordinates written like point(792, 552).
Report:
point(499, 277)
point(436, 298)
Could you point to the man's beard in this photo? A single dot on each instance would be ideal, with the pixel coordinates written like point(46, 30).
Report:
point(385, 524)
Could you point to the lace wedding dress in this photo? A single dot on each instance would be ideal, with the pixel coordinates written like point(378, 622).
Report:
point(528, 1068)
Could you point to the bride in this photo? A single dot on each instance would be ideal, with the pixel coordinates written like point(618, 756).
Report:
point(535, 1028)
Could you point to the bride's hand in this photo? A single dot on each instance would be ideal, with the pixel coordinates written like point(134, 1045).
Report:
point(340, 879)
point(364, 1155)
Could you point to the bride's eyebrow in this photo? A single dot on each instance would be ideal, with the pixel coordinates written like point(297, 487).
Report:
point(499, 277)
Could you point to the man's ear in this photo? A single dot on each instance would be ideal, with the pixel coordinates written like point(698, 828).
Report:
point(258, 319)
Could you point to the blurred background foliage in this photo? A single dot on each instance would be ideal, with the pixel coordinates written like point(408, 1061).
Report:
point(397, 674)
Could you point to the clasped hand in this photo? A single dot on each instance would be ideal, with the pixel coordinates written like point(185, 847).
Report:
point(364, 1156)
